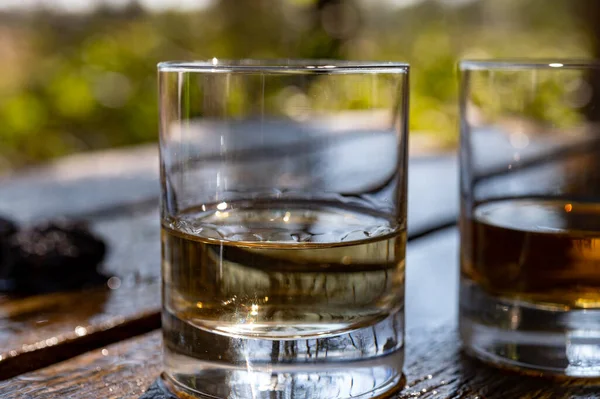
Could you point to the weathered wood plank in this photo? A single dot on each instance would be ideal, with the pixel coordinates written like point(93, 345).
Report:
point(437, 368)
point(432, 193)
point(117, 190)
point(41, 330)
point(432, 280)
point(38, 331)
point(139, 359)
point(82, 183)
point(434, 367)
point(123, 370)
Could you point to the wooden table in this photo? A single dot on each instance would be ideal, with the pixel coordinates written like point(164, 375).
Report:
point(105, 343)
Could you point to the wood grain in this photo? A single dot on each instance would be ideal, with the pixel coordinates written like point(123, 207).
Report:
point(40, 330)
point(435, 366)
point(123, 370)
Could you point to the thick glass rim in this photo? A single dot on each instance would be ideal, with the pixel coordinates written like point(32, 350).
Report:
point(287, 66)
point(524, 63)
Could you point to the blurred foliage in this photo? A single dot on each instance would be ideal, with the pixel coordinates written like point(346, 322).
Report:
point(515, 93)
point(73, 82)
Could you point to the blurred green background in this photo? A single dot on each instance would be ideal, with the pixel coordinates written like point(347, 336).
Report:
point(78, 75)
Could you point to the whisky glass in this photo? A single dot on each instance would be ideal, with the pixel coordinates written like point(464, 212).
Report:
point(530, 215)
point(283, 216)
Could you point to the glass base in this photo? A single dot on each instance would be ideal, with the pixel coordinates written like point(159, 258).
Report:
point(380, 378)
point(529, 337)
point(362, 363)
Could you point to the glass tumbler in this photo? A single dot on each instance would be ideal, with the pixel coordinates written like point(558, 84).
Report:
point(283, 227)
point(530, 224)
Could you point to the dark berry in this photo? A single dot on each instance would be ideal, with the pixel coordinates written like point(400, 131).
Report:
point(52, 256)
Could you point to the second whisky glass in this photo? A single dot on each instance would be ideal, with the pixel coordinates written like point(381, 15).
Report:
point(530, 217)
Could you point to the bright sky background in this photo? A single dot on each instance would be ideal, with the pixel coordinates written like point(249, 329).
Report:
point(86, 5)
point(158, 5)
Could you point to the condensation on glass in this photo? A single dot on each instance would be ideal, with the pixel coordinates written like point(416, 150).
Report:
point(530, 217)
point(283, 227)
